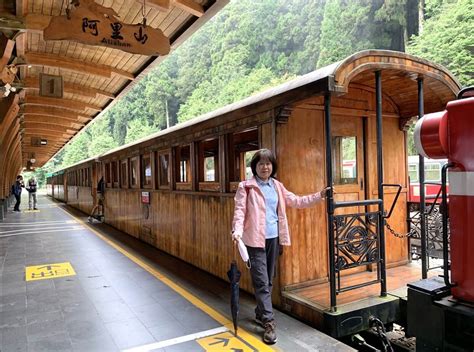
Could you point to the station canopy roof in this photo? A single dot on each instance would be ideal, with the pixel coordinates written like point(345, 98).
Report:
point(63, 63)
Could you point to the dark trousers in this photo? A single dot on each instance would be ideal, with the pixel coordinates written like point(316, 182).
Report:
point(262, 271)
point(17, 204)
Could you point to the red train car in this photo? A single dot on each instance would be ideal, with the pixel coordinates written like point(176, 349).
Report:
point(432, 179)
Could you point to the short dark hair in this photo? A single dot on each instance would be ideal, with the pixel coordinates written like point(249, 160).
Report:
point(265, 154)
point(18, 177)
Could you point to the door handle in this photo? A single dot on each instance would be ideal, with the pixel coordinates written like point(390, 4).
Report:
point(361, 184)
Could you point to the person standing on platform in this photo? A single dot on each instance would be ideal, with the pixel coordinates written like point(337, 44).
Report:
point(31, 187)
point(17, 192)
point(264, 198)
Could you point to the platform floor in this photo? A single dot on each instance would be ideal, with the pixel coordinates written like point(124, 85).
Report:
point(118, 294)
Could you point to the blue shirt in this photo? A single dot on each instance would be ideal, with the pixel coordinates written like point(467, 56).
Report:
point(271, 203)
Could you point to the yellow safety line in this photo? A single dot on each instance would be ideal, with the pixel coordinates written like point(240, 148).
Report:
point(252, 340)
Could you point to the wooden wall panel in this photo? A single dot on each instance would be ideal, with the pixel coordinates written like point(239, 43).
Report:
point(60, 193)
point(301, 159)
point(85, 202)
point(123, 210)
point(266, 136)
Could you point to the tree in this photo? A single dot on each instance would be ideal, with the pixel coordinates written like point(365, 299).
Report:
point(77, 150)
point(345, 29)
point(447, 38)
point(138, 129)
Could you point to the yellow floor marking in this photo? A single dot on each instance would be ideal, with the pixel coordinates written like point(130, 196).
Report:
point(244, 335)
point(226, 341)
point(31, 211)
point(48, 271)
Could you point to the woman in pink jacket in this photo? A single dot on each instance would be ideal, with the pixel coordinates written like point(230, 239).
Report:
point(260, 221)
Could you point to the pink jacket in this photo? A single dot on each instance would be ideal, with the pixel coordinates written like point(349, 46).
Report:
point(249, 213)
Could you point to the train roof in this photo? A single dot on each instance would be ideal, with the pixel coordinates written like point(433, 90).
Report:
point(398, 70)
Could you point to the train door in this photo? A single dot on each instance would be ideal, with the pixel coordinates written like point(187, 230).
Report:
point(348, 161)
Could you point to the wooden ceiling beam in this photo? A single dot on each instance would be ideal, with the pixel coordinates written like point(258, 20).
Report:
point(37, 154)
point(190, 6)
point(50, 60)
point(33, 83)
point(161, 5)
point(53, 141)
point(59, 102)
point(38, 149)
point(53, 120)
point(31, 22)
point(41, 133)
point(187, 5)
point(21, 44)
point(52, 111)
point(31, 126)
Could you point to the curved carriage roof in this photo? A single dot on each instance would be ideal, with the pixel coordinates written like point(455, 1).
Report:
point(400, 72)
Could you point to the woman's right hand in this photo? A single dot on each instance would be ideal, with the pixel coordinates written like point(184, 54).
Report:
point(236, 236)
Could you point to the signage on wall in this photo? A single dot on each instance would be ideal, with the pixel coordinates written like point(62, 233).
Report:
point(145, 197)
point(91, 23)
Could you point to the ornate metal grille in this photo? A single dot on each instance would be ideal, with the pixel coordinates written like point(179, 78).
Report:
point(356, 244)
point(434, 235)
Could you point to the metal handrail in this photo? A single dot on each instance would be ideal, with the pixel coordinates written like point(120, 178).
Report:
point(357, 203)
point(435, 198)
point(396, 197)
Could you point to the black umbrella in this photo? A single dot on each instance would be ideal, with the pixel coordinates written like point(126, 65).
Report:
point(234, 277)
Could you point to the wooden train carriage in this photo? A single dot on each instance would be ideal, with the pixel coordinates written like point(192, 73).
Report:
point(80, 184)
point(175, 189)
point(49, 184)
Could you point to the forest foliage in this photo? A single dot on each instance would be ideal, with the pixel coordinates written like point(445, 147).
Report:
point(253, 45)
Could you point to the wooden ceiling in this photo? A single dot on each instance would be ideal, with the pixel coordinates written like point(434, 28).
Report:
point(94, 77)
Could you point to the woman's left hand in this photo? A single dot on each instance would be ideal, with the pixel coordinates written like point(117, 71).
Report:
point(324, 192)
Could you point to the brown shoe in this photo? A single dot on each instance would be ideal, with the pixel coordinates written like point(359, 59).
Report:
point(269, 336)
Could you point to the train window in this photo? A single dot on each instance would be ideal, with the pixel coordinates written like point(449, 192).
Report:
point(243, 146)
point(344, 162)
point(209, 165)
point(413, 173)
point(134, 172)
point(108, 178)
point(124, 173)
point(146, 171)
point(433, 172)
point(114, 171)
point(163, 170)
point(183, 168)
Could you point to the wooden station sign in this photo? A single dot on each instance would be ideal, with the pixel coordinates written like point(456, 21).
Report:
point(91, 23)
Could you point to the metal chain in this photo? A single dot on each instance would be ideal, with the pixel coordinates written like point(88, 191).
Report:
point(399, 235)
